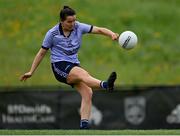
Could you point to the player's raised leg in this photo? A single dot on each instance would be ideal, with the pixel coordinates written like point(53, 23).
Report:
point(78, 74)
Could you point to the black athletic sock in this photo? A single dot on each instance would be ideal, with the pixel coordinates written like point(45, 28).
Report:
point(104, 84)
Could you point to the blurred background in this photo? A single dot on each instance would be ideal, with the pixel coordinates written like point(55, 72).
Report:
point(148, 75)
point(155, 61)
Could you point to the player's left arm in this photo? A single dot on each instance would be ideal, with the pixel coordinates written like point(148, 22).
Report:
point(105, 31)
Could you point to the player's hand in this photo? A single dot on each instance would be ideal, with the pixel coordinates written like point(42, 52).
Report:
point(25, 76)
point(115, 36)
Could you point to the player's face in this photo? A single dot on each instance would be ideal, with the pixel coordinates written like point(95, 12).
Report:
point(68, 24)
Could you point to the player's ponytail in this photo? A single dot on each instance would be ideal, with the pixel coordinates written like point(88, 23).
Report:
point(66, 11)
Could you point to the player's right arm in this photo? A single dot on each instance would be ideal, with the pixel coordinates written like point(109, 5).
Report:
point(37, 60)
point(47, 42)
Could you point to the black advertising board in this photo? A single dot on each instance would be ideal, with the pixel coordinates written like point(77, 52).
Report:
point(132, 108)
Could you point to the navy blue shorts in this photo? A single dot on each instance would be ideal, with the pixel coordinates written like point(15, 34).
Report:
point(61, 70)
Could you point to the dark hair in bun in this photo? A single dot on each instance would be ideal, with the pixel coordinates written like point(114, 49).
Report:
point(66, 11)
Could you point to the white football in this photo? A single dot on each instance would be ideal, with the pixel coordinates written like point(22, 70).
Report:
point(128, 40)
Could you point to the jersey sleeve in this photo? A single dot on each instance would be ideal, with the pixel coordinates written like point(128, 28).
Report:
point(85, 28)
point(48, 41)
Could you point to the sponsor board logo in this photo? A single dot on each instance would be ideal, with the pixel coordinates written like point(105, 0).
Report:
point(21, 113)
point(174, 116)
point(135, 109)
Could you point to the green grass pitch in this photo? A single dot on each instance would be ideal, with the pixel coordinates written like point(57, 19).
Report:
point(90, 132)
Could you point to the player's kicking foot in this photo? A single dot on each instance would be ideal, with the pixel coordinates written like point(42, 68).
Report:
point(110, 81)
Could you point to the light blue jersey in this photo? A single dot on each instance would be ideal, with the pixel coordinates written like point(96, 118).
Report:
point(65, 48)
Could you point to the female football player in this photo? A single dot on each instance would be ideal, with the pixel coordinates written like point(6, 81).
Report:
point(64, 41)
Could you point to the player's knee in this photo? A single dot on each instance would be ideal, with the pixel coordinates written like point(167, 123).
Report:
point(88, 96)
